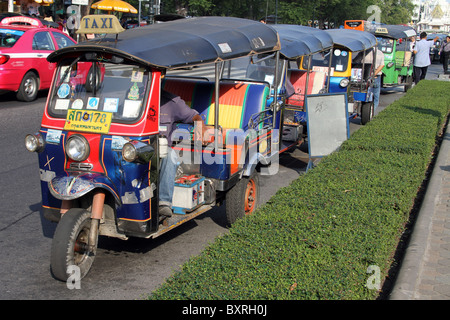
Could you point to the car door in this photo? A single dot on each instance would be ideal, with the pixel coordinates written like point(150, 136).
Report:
point(42, 46)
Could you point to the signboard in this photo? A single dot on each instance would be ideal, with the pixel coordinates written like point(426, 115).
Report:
point(100, 24)
point(81, 2)
point(328, 124)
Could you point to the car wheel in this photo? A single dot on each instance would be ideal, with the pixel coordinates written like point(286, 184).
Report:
point(29, 87)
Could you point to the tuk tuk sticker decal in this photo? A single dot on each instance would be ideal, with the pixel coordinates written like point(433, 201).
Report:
point(111, 104)
point(77, 104)
point(88, 121)
point(53, 136)
point(63, 91)
point(137, 76)
point(131, 108)
point(62, 104)
point(92, 103)
point(134, 92)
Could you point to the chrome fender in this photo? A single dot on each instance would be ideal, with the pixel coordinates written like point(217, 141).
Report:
point(75, 186)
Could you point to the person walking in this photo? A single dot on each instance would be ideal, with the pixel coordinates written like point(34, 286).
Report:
point(422, 57)
point(445, 53)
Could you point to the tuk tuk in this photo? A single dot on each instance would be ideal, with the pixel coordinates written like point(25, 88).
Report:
point(100, 151)
point(297, 43)
point(349, 72)
point(394, 41)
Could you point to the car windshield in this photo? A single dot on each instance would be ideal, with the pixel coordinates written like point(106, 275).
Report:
point(118, 89)
point(385, 45)
point(320, 61)
point(9, 37)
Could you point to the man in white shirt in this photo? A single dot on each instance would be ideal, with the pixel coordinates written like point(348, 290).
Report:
point(422, 57)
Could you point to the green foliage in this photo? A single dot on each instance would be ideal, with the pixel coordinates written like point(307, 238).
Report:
point(296, 11)
point(316, 238)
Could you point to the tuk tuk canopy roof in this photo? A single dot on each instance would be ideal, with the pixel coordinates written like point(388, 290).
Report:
point(298, 40)
point(393, 31)
point(353, 40)
point(184, 42)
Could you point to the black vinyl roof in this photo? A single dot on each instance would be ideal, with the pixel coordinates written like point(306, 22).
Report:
point(184, 42)
point(298, 40)
point(393, 31)
point(354, 40)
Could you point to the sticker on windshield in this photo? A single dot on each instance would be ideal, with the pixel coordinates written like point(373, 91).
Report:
point(131, 108)
point(62, 104)
point(92, 103)
point(63, 91)
point(111, 104)
point(137, 76)
point(77, 104)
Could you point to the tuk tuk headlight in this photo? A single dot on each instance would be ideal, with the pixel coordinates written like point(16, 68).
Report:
point(77, 148)
point(34, 142)
point(390, 64)
point(344, 83)
point(136, 151)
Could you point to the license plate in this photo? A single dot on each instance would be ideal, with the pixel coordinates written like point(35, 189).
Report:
point(88, 121)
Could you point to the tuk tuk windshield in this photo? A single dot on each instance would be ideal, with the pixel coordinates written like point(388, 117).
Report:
point(386, 45)
point(261, 67)
point(339, 60)
point(119, 89)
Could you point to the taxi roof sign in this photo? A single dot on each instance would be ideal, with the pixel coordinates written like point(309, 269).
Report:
point(22, 20)
point(382, 30)
point(99, 24)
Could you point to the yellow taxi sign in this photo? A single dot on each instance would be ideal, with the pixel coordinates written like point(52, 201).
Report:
point(381, 30)
point(99, 24)
point(88, 121)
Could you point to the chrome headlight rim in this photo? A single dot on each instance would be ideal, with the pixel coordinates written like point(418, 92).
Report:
point(344, 83)
point(34, 142)
point(137, 151)
point(129, 152)
point(83, 150)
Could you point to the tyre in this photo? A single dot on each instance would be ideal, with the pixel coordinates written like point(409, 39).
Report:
point(70, 244)
point(29, 87)
point(366, 112)
point(408, 83)
point(243, 198)
point(90, 80)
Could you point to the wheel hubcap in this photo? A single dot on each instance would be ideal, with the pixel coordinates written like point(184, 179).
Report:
point(250, 197)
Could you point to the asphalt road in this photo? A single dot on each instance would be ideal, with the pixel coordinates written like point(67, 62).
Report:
point(122, 269)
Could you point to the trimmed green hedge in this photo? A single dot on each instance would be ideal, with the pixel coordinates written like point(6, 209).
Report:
point(316, 238)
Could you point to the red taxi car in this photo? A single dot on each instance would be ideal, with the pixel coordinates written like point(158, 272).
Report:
point(25, 43)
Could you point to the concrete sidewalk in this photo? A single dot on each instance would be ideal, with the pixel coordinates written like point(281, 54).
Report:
point(425, 270)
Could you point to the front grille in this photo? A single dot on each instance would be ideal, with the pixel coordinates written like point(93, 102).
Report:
point(81, 166)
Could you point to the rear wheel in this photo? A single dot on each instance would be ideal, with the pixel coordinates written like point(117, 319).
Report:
point(243, 198)
point(366, 112)
point(29, 87)
point(70, 246)
point(408, 83)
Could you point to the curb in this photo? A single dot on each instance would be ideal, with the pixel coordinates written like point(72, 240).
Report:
point(406, 284)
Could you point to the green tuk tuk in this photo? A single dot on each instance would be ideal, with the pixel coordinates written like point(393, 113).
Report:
point(394, 41)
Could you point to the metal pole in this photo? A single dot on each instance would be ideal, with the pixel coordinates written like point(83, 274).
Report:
point(139, 14)
point(216, 108)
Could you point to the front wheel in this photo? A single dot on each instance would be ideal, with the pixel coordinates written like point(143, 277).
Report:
point(70, 246)
point(243, 198)
point(366, 112)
